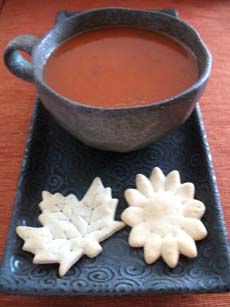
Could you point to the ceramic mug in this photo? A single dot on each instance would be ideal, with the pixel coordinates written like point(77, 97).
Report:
point(121, 129)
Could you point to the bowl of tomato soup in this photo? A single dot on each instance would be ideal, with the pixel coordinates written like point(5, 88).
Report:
point(118, 79)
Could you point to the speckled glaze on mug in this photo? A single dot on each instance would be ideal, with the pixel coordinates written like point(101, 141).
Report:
point(117, 129)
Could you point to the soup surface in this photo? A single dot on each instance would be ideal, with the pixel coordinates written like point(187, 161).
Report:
point(118, 67)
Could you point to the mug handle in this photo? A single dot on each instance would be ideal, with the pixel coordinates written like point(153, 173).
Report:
point(15, 61)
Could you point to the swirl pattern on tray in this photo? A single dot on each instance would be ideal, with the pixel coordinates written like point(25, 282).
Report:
point(119, 269)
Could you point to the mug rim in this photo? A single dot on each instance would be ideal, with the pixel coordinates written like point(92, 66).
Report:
point(202, 79)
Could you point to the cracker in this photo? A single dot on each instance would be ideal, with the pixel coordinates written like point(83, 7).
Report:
point(72, 228)
point(164, 216)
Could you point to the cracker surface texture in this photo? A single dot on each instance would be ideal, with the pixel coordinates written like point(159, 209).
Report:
point(72, 227)
point(164, 217)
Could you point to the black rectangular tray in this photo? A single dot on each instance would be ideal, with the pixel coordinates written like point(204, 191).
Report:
point(57, 162)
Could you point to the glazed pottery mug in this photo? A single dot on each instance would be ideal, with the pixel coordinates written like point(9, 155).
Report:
point(121, 129)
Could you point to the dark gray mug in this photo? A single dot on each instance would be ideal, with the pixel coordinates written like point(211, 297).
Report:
point(116, 129)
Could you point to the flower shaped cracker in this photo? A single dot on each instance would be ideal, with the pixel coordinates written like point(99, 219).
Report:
point(164, 216)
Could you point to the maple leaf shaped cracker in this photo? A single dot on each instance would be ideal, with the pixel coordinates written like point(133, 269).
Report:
point(164, 216)
point(72, 228)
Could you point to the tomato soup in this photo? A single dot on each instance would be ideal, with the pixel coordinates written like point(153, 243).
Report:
point(120, 67)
